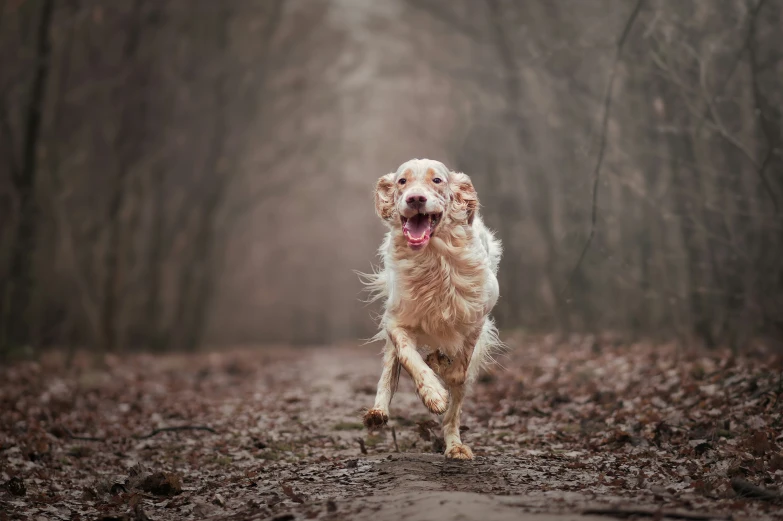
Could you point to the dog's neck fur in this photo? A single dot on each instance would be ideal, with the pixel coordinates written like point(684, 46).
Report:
point(446, 276)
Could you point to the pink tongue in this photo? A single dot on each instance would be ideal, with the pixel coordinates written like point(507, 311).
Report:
point(417, 225)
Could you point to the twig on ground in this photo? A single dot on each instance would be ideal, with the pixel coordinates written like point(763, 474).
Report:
point(746, 489)
point(73, 436)
point(394, 437)
point(179, 428)
point(623, 513)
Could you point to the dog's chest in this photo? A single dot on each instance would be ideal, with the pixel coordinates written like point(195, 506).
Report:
point(442, 298)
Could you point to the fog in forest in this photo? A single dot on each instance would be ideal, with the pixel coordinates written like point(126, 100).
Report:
point(177, 174)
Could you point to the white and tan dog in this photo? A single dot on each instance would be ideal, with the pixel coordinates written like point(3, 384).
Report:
point(438, 279)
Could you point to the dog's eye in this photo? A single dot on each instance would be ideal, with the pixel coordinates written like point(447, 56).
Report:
point(402, 181)
point(437, 180)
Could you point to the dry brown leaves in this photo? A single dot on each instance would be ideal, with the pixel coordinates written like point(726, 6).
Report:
point(567, 423)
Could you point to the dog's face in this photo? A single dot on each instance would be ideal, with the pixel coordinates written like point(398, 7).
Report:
point(422, 197)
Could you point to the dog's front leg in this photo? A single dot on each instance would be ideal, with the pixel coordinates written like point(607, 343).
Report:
point(455, 377)
point(379, 414)
point(428, 387)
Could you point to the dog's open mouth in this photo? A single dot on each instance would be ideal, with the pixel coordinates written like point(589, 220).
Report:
point(419, 228)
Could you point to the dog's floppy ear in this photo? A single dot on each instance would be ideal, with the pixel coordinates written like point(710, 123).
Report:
point(464, 199)
point(384, 197)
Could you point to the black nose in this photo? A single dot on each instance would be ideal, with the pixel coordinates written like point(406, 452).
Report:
point(416, 201)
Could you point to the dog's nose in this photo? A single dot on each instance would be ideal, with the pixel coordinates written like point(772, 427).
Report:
point(416, 200)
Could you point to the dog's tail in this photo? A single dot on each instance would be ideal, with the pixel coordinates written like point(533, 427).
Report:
point(487, 349)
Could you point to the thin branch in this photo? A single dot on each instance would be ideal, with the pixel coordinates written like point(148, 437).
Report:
point(34, 109)
point(758, 97)
point(716, 118)
point(7, 131)
point(706, 115)
point(177, 429)
point(745, 44)
point(746, 489)
point(155, 432)
point(58, 195)
point(709, 114)
point(6, 127)
point(446, 16)
point(604, 131)
point(73, 436)
point(633, 513)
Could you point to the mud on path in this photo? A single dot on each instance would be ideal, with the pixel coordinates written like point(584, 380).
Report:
point(574, 428)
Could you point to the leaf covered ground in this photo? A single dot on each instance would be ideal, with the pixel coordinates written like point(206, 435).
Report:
point(568, 426)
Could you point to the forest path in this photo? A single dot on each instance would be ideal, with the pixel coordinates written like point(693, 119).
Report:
point(566, 428)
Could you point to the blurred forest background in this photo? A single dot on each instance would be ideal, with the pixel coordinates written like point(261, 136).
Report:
point(187, 172)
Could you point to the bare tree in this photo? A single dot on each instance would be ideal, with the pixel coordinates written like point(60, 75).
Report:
point(19, 285)
point(171, 169)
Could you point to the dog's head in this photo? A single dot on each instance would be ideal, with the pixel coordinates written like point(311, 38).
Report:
point(422, 198)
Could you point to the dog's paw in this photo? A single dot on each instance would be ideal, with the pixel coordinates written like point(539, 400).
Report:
point(438, 362)
point(434, 396)
point(459, 451)
point(375, 419)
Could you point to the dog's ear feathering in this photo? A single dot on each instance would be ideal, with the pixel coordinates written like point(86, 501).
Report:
point(384, 197)
point(464, 199)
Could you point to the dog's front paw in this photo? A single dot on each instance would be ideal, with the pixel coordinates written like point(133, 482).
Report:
point(375, 419)
point(434, 396)
point(459, 451)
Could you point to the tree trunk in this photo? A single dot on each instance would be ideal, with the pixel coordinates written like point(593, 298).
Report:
point(154, 336)
point(124, 148)
point(196, 282)
point(14, 322)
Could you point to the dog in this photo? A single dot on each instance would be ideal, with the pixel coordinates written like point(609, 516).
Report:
point(438, 281)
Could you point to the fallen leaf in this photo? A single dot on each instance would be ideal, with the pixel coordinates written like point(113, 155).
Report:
point(162, 484)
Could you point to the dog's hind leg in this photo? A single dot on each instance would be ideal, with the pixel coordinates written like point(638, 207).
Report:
point(455, 449)
point(456, 377)
point(387, 385)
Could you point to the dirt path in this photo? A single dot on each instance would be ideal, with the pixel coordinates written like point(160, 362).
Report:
point(562, 430)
